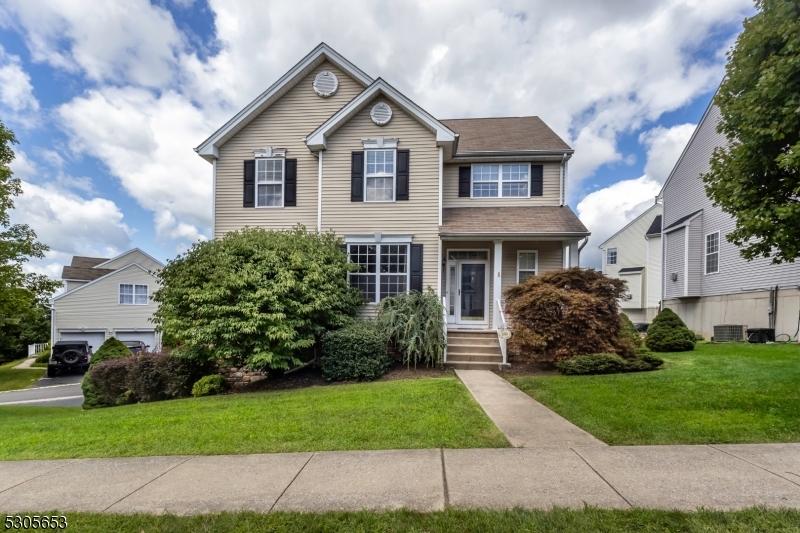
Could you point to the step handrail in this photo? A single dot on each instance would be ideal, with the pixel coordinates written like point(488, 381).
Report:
point(503, 326)
point(444, 325)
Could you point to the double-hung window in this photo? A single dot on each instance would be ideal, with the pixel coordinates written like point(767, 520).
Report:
point(131, 294)
point(384, 269)
point(527, 265)
point(712, 253)
point(269, 182)
point(611, 256)
point(501, 181)
point(380, 175)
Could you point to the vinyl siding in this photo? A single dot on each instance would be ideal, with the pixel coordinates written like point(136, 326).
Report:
point(634, 282)
point(419, 215)
point(653, 269)
point(282, 125)
point(684, 193)
point(97, 306)
point(73, 284)
point(134, 257)
point(695, 257)
point(550, 190)
point(674, 251)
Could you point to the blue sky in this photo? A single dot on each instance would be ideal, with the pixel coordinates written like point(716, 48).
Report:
point(108, 99)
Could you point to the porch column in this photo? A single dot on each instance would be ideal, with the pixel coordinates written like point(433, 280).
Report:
point(574, 253)
point(497, 282)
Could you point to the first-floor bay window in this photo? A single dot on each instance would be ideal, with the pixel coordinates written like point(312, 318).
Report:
point(269, 182)
point(383, 272)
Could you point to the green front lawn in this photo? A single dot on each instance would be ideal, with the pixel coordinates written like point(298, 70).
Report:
point(719, 393)
point(588, 520)
point(416, 413)
point(13, 378)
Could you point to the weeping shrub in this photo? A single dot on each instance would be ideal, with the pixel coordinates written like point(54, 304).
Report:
point(415, 323)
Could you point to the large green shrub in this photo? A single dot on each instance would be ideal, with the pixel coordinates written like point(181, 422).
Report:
point(210, 385)
point(110, 349)
point(357, 352)
point(628, 331)
point(668, 333)
point(566, 312)
point(255, 298)
point(606, 363)
point(43, 357)
point(415, 323)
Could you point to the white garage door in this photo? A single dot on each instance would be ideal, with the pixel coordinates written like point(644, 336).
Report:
point(147, 337)
point(95, 339)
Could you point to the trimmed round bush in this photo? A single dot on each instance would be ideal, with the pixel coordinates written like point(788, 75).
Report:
point(356, 352)
point(210, 385)
point(668, 333)
point(110, 349)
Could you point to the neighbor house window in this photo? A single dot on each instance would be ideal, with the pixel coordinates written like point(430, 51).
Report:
point(380, 176)
point(130, 294)
point(269, 182)
point(712, 253)
point(527, 265)
point(384, 270)
point(487, 180)
point(611, 256)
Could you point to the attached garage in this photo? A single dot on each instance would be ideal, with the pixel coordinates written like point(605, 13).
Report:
point(94, 338)
point(147, 337)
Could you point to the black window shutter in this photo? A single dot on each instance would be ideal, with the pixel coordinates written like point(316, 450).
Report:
point(249, 184)
point(537, 178)
point(290, 184)
point(416, 267)
point(357, 177)
point(402, 175)
point(464, 179)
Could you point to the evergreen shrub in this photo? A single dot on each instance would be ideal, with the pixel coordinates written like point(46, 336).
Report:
point(110, 349)
point(210, 385)
point(607, 363)
point(668, 333)
point(357, 352)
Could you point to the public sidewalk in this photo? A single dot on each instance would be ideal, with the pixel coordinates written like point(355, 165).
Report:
point(665, 477)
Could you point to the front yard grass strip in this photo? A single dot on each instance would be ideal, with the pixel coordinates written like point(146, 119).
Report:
point(461, 521)
point(718, 393)
point(414, 413)
point(17, 378)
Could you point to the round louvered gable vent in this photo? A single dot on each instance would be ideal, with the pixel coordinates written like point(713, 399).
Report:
point(381, 113)
point(325, 83)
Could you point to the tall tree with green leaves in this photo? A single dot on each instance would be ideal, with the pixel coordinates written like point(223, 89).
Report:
point(23, 296)
point(756, 178)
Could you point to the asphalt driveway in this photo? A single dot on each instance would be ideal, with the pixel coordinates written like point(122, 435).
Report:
point(60, 391)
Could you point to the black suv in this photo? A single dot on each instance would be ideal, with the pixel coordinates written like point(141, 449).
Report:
point(69, 355)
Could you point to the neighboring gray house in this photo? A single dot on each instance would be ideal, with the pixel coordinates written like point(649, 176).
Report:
point(706, 281)
point(633, 254)
point(107, 298)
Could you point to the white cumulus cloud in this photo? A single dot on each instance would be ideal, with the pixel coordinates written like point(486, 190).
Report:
point(16, 91)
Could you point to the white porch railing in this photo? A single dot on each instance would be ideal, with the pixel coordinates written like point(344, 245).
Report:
point(502, 330)
point(33, 349)
point(444, 327)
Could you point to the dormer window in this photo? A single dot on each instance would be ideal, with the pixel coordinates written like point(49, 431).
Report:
point(380, 175)
point(501, 181)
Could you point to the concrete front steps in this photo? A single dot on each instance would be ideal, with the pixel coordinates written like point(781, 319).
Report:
point(474, 350)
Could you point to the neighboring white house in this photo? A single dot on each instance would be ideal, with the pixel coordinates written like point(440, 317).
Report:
point(107, 298)
point(633, 254)
point(706, 280)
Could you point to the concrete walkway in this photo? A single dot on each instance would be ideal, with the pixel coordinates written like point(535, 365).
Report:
point(665, 477)
point(524, 421)
point(26, 363)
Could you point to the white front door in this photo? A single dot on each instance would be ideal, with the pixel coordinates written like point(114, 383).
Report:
point(468, 292)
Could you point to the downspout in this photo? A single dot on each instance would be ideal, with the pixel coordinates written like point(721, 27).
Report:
point(441, 175)
point(213, 198)
point(585, 242)
point(319, 195)
point(561, 181)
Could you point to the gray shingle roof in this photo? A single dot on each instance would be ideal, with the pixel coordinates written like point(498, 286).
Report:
point(511, 220)
point(655, 227)
point(504, 134)
point(83, 273)
point(86, 262)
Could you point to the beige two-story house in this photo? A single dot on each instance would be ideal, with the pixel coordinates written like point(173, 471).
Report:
point(467, 207)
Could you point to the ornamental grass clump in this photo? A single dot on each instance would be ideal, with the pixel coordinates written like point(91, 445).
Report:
point(414, 322)
point(568, 312)
point(668, 333)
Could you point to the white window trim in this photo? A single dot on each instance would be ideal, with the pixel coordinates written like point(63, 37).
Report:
point(283, 182)
point(384, 175)
point(386, 242)
point(706, 254)
point(119, 293)
point(499, 182)
point(616, 257)
point(536, 263)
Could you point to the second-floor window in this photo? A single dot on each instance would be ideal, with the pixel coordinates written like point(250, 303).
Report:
point(611, 256)
point(501, 181)
point(131, 294)
point(712, 253)
point(380, 174)
point(384, 269)
point(269, 182)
